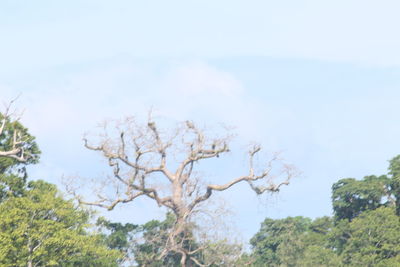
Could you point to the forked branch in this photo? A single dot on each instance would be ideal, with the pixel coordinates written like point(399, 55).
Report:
point(13, 140)
point(148, 162)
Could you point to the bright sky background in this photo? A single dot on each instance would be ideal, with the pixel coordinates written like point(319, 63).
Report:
point(318, 80)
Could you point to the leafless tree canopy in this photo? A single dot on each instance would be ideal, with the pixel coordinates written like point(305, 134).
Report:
point(151, 162)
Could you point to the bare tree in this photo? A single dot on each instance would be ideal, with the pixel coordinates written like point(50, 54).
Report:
point(160, 165)
point(15, 142)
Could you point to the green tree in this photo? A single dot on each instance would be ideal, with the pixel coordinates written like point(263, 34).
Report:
point(16, 144)
point(394, 184)
point(365, 229)
point(154, 235)
point(350, 197)
point(320, 256)
point(374, 237)
point(37, 226)
point(317, 246)
point(279, 242)
point(150, 242)
point(339, 235)
point(40, 228)
point(17, 149)
point(294, 241)
point(119, 236)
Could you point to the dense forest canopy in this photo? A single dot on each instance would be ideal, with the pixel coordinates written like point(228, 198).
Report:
point(158, 133)
point(364, 229)
point(161, 164)
point(40, 227)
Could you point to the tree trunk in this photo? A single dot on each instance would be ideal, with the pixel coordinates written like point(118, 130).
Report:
point(183, 260)
point(30, 250)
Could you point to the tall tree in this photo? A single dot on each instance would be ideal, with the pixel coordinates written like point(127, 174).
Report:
point(394, 183)
point(16, 144)
point(142, 245)
point(42, 229)
point(37, 226)
point(121, 237)
point(17, 149)
point(279, 242)
point(154, 237)
point(350, 197)
point(363, 232)
point(374, 239)
point(160, 165)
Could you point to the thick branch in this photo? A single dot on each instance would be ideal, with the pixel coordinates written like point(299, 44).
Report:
point(138, 157)
point(16, 151)
point(250, 179)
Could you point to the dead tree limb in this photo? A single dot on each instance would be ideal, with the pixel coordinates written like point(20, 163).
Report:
point(15, 142)
point(149, 162)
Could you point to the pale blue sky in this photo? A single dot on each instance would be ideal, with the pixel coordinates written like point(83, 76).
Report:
point(316, 79)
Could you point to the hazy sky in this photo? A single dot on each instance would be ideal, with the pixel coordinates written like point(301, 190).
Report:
point(317, 80)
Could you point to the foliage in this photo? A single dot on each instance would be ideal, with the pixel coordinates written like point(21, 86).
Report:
point(293, 241)
point(13, 169)
point(43, 229)
point(374, 236)
point(38, 227)
point(350, 197)
point(119, 236)
point(221, 253)
point(315, 255)
point(154, 235)
point(365, 229)
point(394, 184)
point(27, 144)
point(142, 245)
point(279, 241)
point(11, 185)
